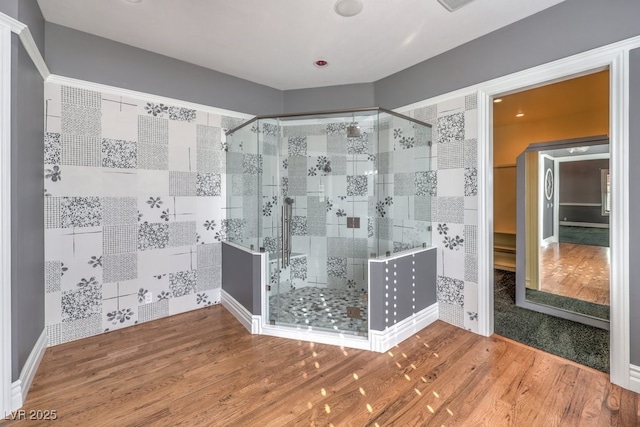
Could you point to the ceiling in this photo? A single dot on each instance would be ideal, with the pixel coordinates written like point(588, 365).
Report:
point(577, 95)
point(276, 42)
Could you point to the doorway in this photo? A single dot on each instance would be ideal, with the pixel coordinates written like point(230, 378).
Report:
point(558, 275)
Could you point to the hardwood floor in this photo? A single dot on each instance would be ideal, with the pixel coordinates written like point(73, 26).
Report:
point(576, 271)
point(203, 369)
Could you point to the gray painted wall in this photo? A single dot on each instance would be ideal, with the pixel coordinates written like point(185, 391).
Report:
point(425, 288)
point(580, 182)
point(27, 205)
point(80, 55)
point(634, 203)
point(329, 98)
point(560, 31)
point(239, 281)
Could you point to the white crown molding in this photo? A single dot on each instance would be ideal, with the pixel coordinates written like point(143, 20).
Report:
point(20, 387)
point(13, 24)
point(28, 42)
point(34, 53)
point(99, 87)
point(541, 74)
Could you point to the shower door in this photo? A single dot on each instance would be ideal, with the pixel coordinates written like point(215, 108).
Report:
point(318, 220)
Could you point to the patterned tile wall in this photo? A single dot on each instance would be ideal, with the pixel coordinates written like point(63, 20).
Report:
point(332, 178)
point(453, 183)
point(134, 210)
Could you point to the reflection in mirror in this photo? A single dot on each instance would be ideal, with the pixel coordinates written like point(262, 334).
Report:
point(563, 205)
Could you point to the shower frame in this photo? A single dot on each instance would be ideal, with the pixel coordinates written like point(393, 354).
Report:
point(385, 336)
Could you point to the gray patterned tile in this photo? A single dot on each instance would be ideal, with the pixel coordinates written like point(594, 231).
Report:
point(120, 267)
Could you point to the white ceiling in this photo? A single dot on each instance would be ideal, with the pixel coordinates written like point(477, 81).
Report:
point(275, 42)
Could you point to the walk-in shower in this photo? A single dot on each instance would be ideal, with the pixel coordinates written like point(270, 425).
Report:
point(322, 196)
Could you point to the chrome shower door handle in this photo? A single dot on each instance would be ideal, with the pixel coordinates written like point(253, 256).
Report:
point(284, 238)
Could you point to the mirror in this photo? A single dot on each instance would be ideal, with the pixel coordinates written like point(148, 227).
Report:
point(562, 229)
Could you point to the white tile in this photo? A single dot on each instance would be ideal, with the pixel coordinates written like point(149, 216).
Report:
point(451, 107)
point(155, 285)
point(317, 145)
point(153, 262)
point(471, 217)
point(470, 124)
point(81, 181)
point(471, 306)
point(119, 118)
point(153, 183)
point(207, 119)
point(182, 304)
point(53, 107)
point(182, 133)
point(183, 258)
point(52, 243)
point(119, 182)
point(471, 202)
point(53, 308)
point(451, 182)
point(184, 209)
point(182, 158)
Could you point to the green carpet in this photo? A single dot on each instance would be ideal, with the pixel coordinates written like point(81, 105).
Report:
point(583, 344)
point(584, 235)
point(570, 304)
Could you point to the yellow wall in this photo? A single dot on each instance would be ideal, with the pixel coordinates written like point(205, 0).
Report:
point(512, 139)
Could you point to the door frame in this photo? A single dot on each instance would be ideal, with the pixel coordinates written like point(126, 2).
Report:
point(615, 57)
point(5, 220)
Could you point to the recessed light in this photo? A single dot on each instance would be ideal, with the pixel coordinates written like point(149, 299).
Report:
point(497, 100)
point(348, 8)
point(520, 115)
point(134, 1)
point(321, 63)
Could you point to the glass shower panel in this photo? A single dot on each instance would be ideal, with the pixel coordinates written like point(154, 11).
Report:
point(406, 185)
point(322, 194)
point(270, 209)
point(327, 179)
point(243, 173)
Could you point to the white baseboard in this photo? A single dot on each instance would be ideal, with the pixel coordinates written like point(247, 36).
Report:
point(379, 341)
point(320, 337)
point(250, 322)
point(634, 378)
point(382, 341)
point(20, 387)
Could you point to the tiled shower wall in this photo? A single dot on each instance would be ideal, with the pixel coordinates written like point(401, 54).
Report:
point(333, 178)
point(454, 208)
point(134, 210)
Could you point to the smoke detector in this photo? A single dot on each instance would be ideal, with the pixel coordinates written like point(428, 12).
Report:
point(453, 5)
point(348, 8)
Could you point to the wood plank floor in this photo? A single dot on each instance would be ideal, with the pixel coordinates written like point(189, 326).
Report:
point(203, 369)
point(576, 271)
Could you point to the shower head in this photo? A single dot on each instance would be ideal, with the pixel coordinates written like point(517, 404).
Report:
point(353, 131)
point(288, 200)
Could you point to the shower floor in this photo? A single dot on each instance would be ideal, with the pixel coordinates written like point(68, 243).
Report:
point(320, 308)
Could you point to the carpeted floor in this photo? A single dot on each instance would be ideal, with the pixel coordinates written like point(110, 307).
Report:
point(600, 311)
point(584, 235)
point(574, 341)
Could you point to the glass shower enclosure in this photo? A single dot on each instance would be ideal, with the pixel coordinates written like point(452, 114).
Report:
point(322, 194)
